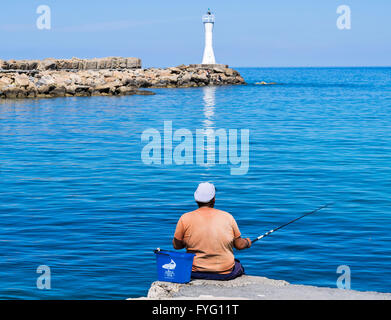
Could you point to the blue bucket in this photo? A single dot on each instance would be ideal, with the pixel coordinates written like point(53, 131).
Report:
point(174, 266)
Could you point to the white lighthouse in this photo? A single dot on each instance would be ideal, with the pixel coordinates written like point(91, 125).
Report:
point(209, 56)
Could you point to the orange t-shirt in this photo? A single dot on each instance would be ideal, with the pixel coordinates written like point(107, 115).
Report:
point(209, 234)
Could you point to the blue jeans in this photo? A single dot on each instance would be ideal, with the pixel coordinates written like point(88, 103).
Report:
point(237, 271)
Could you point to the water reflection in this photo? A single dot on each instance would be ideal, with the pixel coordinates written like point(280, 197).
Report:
point(208, 124)
point(209, 106)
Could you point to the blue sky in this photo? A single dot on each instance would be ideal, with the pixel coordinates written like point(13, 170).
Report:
point(167, 33)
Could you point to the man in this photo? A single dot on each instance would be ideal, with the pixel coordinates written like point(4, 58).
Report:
point(211, 235)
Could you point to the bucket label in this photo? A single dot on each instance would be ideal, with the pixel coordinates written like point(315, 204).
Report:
point(169, 273)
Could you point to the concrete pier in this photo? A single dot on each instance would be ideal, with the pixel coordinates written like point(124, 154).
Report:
point(253, 288)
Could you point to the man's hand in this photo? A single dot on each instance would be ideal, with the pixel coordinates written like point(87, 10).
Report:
point(241, 243)
point(178, 244)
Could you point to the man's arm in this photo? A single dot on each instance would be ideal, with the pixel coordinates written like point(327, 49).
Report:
point(178, 244)
point(240, 243)
point(179, 234)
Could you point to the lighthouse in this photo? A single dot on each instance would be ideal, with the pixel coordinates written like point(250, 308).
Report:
point(209, 56)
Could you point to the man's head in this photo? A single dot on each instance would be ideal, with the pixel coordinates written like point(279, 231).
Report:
point(205, 195)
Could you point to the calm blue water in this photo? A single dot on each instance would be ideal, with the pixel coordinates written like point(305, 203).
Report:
point(75, 195)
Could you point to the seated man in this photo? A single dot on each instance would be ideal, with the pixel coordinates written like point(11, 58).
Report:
point(211, 235)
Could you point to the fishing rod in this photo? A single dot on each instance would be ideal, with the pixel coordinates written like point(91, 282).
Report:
point(284, 225)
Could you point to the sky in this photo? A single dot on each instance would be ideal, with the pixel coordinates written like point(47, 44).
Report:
point(247, 33)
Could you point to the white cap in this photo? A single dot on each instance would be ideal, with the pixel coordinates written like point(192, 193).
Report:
point(205, 192)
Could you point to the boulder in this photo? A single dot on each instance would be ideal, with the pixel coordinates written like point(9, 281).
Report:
point(106, 88)
point(186, 78)
point(126, 90)
point(45, 89)
point(5, 81)
point(229, 72)
point(219, 69)
point(58, 92)
point(13, 92)
point(48, 64)
point(45, 80)
point(33, 64)
point(200, 77)
point(145, 93)
point(175, 70)
point(12, 65)
point(22, 80)
point(83, 91)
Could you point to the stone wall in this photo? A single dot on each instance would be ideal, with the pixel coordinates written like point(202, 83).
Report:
point(71, 64)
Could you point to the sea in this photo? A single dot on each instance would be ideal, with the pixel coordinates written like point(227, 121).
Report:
point(90, 186)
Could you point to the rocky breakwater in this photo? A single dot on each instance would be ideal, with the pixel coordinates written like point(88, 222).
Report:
point(53, 81)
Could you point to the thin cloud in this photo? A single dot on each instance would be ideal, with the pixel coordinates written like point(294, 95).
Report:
point(17, 27)
point(118, 25)
point(94, 27)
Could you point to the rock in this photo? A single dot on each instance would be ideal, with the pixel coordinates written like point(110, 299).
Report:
point(175, 70)
point(263, 83)
point(145, 93)
point(254, 288)
point(218, 69)
point(164, 73)
point(125, 90)
point(58, 92)
point(32, 94)
point(11, 65)
point(22, 80)
point(45, 80)
point(201, 76)
point(239, 80)
point(186, 78)
point(142, 83)
point(48, 64)
point(70, 90)
point(13, 92)
point(45, 89)
point(33, 65)
point(83, 91)
point(105, 88)
point(5, 81)
point(169, 79)
point(229, 72)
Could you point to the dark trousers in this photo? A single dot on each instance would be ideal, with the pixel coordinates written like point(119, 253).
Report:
point(237, 271)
